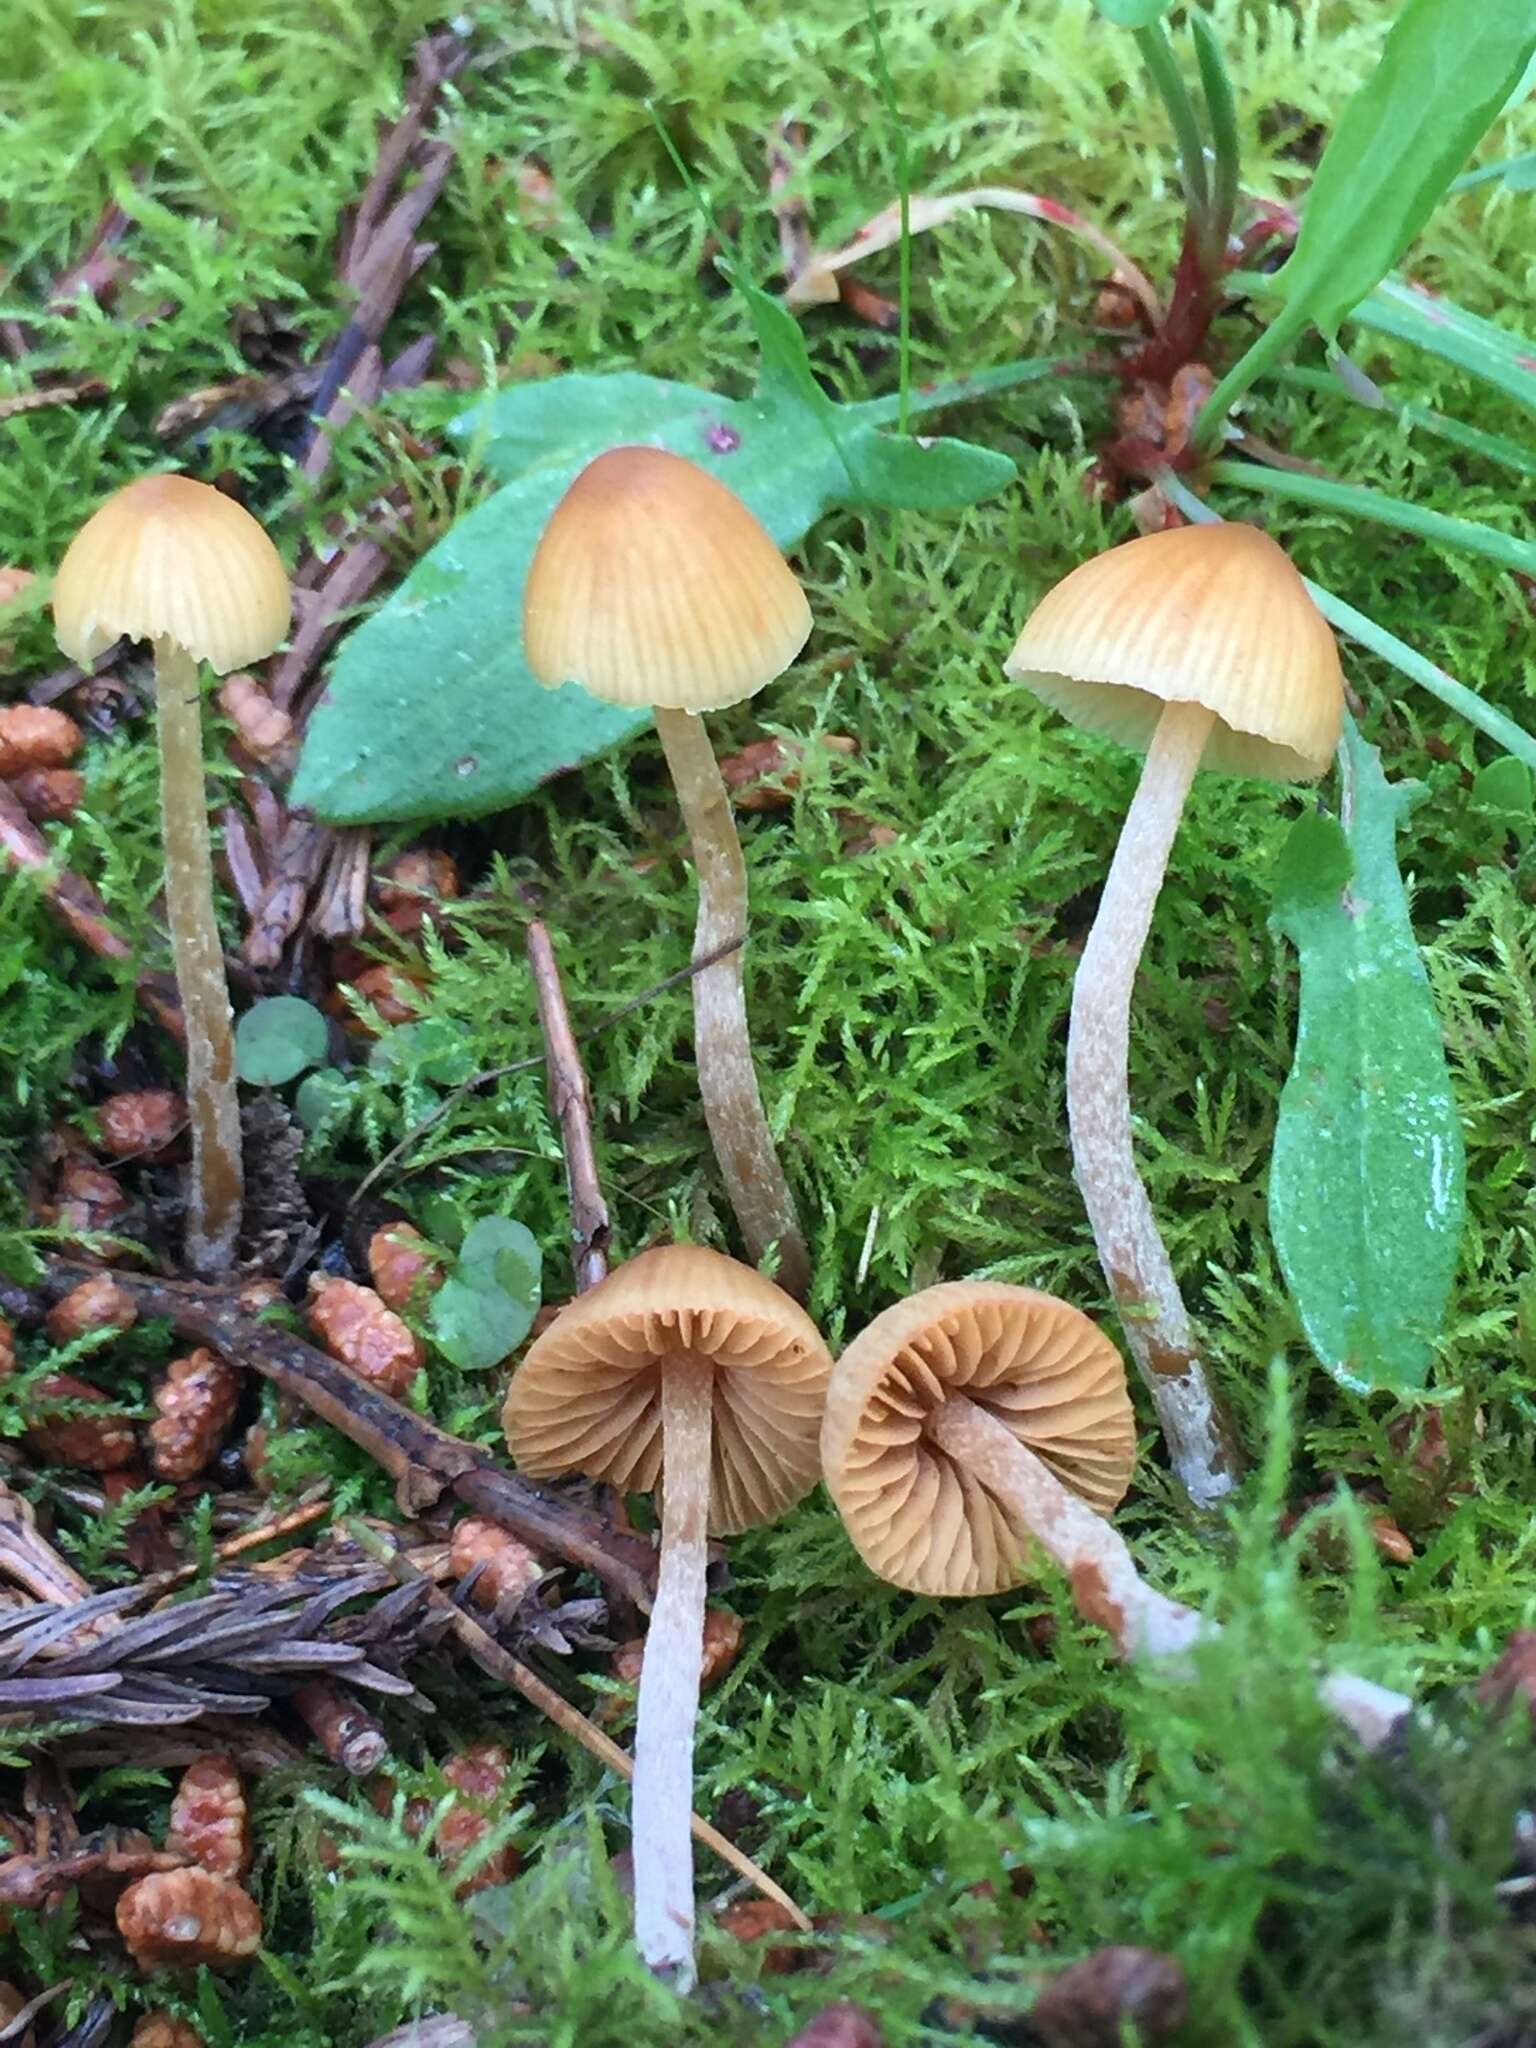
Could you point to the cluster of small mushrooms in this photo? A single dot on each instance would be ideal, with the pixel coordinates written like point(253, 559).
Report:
point(972, 1428)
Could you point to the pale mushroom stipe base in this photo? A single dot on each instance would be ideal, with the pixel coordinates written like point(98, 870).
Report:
point(653, 584)
point(182, 566)
point(1199, 647)
point(686, 1371)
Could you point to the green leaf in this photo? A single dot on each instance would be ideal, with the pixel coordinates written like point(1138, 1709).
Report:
point(1133, 13)
point(278, 1038)
point(1505, 792)
point(431, 711)
point(1406, 312)
point(486, 1306)
point(1359, 502)
point(1367, 1182)
point(1444, 75)
point(320, 1097)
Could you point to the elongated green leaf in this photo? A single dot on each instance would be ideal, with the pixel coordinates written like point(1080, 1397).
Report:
point(1360, 502)
point(431, 711)
point(1132, 13)
point(1367, 1193)
point(1445, 72)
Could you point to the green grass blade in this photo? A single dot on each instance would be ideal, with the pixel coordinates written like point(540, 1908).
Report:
point(1439, 326)
point(1382, 510)
point(1418, 669)
point(1492, 447)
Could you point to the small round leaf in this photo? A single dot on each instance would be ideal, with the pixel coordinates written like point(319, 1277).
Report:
point(277, 1039)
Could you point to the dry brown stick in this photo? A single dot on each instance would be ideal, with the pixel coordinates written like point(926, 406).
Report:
point(77, 906)
point(424, 1461)
point(351, 1737)
point(340, 909)
point(348, 581)
point(435, 60)
point(571, 1100)
point(489, 1075)
point(500, 1663)
point(298, 860)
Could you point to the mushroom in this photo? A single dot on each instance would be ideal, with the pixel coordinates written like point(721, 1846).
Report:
point(1199, 647)
point(654, 585)
point(179, 564)
point(688, 1371)
point(944, 1414)
point(975, 1422)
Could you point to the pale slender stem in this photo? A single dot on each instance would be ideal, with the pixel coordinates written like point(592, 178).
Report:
point(669, 1677)
point(217, 1180)
point(1107, 1589)
point(733, 1108)
point(1131, 1249)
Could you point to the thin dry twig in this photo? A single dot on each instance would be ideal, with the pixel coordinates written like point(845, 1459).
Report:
point(78, 907)
point(491, 1657)
point(571, 1100)
point(489, 1075)
point(75, 392)
point(424, 1461)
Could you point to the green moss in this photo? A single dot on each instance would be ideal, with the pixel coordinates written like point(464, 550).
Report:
point(917, 911)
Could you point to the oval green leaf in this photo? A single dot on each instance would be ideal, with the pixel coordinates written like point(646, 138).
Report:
point(277, 1039)
point(1367, 1184)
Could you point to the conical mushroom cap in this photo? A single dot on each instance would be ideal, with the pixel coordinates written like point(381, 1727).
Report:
point(170, 559)
point(1037, 1364)
point(587, 1398)
point(1212, 615)
point(653, 584)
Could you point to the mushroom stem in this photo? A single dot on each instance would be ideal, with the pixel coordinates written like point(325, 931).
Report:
point(1106, 1585)
point(1131, 1250)
point(733, 1108)
point(1107, 1588)
point(669, 1677)
point(217, 1179)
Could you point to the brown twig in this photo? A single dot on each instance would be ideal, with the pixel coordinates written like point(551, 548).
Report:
point(346, 583)
point(78, 907)
point(424, 1461)
point(299, 858)
point(489, 1075)
point(500, 1663)
point(571, 1100)
point(351, 1737)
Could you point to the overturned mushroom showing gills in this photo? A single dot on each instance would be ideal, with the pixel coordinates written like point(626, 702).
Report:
point(977, 1425)
point(942, 1414)
point(687, 1371)
point(654, 585)
point(1200, 648)
point(178, 564)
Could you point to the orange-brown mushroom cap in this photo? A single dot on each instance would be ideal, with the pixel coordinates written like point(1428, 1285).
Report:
point(171, 559)
point(587, 1398)
point(1035, 1363)
point(653, 584)
point(1212, 615)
